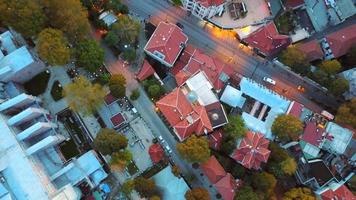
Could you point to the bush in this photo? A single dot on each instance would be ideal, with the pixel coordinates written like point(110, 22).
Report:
point(135, 95)
point(56, 91)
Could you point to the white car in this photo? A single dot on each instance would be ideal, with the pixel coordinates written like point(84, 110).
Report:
point(160, 138)
point(269, 80)
point(169, 150)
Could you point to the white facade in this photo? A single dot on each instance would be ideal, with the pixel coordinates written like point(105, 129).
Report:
point(201, 11)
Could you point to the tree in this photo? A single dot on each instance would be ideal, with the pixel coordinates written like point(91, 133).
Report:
point(116, 6)
point(154, 91)
point(339, 86)
point(287, 127)
point(194, 149)
point(109, 141)
point(89, 55)
point(235, 127)
point(120, 159)
point(117, 85)
point(128, 186)
point(70, 17)
point(321, 77)
point(331, 67)
point(246, 193)
point(177, 2)
point(82, 96)
point(135, 95)
point(155, 198)
point(352, 184)
point(127, 29)
point(346, 114)
point(197, 194)
point(129, 55)
point(111, 39)
point(176, 171)
point(24, 16)
point(295, 59)
point(264, 182)
point(289, 166)
point(145, 187)
point(228, 143)
point(53, 47)
point(299, 193)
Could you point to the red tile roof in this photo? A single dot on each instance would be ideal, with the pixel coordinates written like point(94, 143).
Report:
point(292, 4)
point(295, 109)
point(341, 41)
point(212, 67)
point(145, 71)
point(227, 187)
point(213, 170)
point(208, 3)
point(215, 139)
point(313, 134)
point(156, 153)
point(183, 116)
point(117, 119)
point(312, 50)
point(109, 99)
point(252, 151)
point(183, 59)
point(342, 193)
point(267, 40)
point(169, 40)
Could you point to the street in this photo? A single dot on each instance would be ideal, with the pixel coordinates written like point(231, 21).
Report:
point(227, 49)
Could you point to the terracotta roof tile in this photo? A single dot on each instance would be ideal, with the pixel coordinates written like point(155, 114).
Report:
point(213, 170)
point(341, 41)
point(227, 187)
point(312, 50)
point(342, 193)
point(313, 134)
point(215, 139)
point(145, 71)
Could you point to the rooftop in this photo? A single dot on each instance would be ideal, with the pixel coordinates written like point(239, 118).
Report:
point(295, 109)
point(337, 139)
point(312, 50)
point(316, 170)
point(227, 187)
point(313, 134)
point(341, 192)
point(213, 170)
point(145, 71)
point(156, 153)
point(208, 3)
point(342, 40)
point(215, 139)
point(166, 43)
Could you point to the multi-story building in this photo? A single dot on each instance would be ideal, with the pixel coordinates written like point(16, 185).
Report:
point(204, 9)
point(17, 63)
point(32, 166)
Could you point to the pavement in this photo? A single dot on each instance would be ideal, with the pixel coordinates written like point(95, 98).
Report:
point(227, 49)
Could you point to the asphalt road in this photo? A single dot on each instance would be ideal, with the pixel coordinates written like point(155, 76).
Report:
point(227, 49)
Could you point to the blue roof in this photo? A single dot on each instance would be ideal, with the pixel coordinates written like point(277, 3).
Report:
point(17, 60)
point(232, 97)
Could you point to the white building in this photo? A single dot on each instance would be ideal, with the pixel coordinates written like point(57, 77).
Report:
point(204, 9)
point(32, 166)
point(16, 61)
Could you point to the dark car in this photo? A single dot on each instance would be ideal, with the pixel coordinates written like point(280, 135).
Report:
point(180, 25)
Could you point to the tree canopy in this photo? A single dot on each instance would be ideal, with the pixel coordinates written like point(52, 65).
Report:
point(24, 16)
point(155, 91)
point(116, 6)
point(109, 141)
point(145, 187)
point(330, 66)
point(197, 194)
point(53, 47)
point(289, 166)
point(89, 55)
point(346, 114)
point(135, 95)
point(117, 85)
point(128, 187)
point(70, 17)
point(236, 126)
point(129, 54)
point(264, 182)
point(295, 59)
point(339, 86)
point(120, 159)
point(299, 193)
point(127, 29)
point(83, 96)
point(280, 163)
point(287, 127)
point(176, 171)
point(246, 193)
point(111, 39)
point(194, 149)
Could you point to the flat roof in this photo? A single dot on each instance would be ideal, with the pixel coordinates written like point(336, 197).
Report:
point(233, 97)
point(338, 138)
point(117, 119)
point(200, 84)
point(17, 60)
point(320, 172)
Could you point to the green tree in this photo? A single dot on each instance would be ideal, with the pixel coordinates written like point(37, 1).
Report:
point(109, 141)
point(228, 143)
point(339, 86)
point(70, 17)
point(331, 67)
point(295, 59)
point(127, 29)
point(235, 127)
point(135, 95)
point(264, 182)
point(117, 85)
point(24, 16)
point(299, 193)
point(83, 96)
point(129, 55)
point(177, 2)
point(197, 194)
point(246, 193)
point(287, 127)
point(111, 39)
point(154, 91)
point(194, 149)
point(120, 159)
point(53, 47)
point(346, 114)
point(89, 55)
point(116, 6)
point(289, 166)
point(277, 157)
point(128, 187)
point(145, 187)
point(155, 198)
point(92, 3)
point(321, 77)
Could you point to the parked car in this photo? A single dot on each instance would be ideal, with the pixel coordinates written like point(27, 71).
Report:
point(168, 149)
point(180, 25)
point(160, 138)
point(269, 80)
